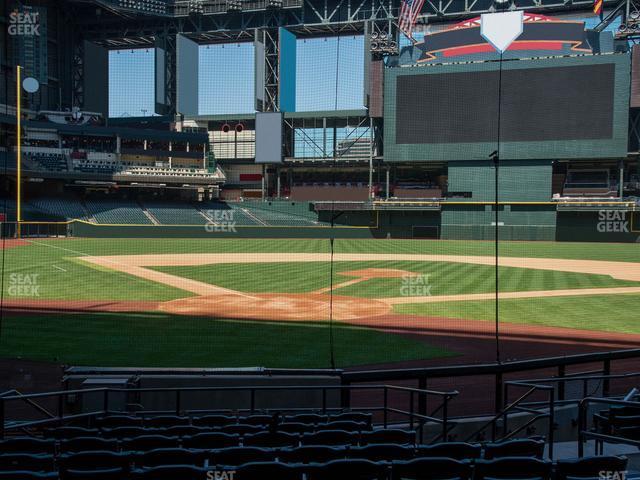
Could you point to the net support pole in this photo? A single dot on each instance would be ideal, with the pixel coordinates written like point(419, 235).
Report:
point(496, 160)
point(621, 178)
point(18, 149)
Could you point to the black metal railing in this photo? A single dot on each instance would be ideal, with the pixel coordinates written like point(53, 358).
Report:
point(585, 434)
point(498, 371)
point(408, 402)
point(416, 421)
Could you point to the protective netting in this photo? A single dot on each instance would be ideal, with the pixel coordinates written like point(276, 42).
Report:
point(369, 249)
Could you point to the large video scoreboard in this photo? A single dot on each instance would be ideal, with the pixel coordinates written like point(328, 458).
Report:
point(552, 108)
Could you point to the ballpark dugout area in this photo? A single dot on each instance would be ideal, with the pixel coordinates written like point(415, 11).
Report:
point(319, 240)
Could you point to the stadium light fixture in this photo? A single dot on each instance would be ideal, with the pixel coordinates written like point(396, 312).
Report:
point(234, 6)
point(502, 4)
point(196, 7)
point(274, 4)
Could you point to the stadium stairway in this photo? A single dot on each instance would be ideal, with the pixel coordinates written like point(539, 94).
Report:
point(148, 214)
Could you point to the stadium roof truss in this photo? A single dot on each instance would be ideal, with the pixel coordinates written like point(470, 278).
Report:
point(310, 16)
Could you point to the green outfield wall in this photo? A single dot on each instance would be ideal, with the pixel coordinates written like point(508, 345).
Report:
point(524, 221)
point(603, 225)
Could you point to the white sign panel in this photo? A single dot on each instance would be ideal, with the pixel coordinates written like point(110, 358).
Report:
point(501, 29)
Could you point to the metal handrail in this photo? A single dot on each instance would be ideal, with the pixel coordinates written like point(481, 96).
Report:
point(487, 368)
point(584, 378)
point(178, 391)
point(504, 412)
point(39, 408)
point(499, 370)
point(584, 434)
point(538, 414)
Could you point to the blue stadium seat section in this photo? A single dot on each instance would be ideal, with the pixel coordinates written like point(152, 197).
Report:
point(182, 447)
point(117, 212)
point(110, 210)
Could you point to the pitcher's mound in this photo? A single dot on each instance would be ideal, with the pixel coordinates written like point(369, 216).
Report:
point(277, 306)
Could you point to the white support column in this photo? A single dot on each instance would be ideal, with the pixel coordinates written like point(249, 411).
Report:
point(387, 185)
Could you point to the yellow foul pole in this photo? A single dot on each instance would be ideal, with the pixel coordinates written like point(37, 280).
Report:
point(18, 149)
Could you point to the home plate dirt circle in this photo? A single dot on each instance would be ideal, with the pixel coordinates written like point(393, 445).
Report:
point(277, 306)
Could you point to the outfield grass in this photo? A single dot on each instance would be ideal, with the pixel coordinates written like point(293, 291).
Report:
point(160, 340)
point(608, 313)
point(618, 252)
point(443, 277)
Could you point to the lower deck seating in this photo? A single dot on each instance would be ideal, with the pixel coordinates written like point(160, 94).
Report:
point(322, 447)
point(108, 210)
point(314, 463)
point(67, 208)
point(175, 213)
point(117, 212)
point(51, 162)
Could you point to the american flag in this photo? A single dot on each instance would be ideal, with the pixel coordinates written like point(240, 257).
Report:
point(409, 11)
point(597, 7)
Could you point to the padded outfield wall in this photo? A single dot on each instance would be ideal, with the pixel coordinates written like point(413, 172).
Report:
point(620, 225)
point(347, 225)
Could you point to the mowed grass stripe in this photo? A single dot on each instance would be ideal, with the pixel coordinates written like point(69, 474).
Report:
point(621, 252)
point(157, 340)
point(76, 281)
point(607, 313)
point(444, 278)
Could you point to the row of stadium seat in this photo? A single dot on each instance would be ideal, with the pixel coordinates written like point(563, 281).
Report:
point(215, 446)
point(219, 420)
point(131, 439)
point(113, 466)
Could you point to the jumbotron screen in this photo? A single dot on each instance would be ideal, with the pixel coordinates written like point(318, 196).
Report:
point(571, 107)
